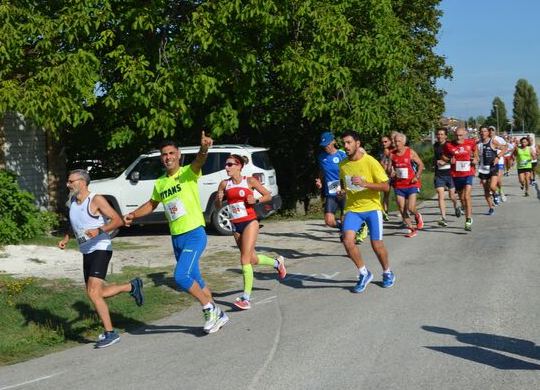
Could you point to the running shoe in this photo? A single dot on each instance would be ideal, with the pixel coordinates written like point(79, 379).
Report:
point(526, 193)
point(403, 225)
point(242, 303)
point(459, 212)
point(361, 235)
point(419, 221)
point(442, 222)
point(521, 186)
point(282, 271)
point(385, 216)
point(388, 279)
point(107, 339)
point(363, 281)
point(136, 291)
point(491, 212)
point(411, 234)
point(468, 225)
point(214, 319)
point(503, 197)
point(496, 199)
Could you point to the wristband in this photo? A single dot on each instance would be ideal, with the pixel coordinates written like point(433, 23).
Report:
point(100, 230)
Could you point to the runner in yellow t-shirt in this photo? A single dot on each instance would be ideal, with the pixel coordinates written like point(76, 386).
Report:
point(363, 178)
point(177, 190)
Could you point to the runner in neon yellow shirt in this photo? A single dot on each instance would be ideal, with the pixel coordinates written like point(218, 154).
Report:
point(177, 190)
point(363, 178)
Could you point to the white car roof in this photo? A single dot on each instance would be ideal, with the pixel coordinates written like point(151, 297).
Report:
point(214, 148)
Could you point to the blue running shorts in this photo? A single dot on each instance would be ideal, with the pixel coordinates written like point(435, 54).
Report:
point(373, 219)
point(188, 248)
point(406, 192)
point(461, 182)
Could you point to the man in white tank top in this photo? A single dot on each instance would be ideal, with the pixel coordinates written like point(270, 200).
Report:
point(86, 216)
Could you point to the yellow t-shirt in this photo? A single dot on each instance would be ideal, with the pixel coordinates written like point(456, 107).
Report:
point(179, 194)
point(360, 199)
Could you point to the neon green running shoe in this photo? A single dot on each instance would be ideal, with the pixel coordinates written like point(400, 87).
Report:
point(362, 234)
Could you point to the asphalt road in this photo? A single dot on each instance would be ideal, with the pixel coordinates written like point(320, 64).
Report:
point(464, 314)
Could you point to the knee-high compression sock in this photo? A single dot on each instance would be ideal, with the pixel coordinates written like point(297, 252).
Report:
point(265, 260)
point(247, 271)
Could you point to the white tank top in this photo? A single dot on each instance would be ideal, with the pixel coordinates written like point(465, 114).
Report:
point(81, 220)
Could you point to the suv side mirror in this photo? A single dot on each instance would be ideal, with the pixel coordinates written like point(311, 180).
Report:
point(134, 176)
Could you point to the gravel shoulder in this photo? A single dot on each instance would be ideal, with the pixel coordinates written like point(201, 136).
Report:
point(152, 248)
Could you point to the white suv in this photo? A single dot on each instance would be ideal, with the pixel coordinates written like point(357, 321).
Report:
point(134, 186)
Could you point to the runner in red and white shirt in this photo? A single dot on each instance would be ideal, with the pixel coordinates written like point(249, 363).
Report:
point(238, 191)
point(406, 181)
point(463, 156)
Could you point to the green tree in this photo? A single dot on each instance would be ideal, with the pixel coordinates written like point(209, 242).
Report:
point(526, 111)
point(498, 115)
point(273, 72)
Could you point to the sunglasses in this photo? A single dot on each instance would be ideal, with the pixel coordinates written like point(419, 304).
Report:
point(230, 164)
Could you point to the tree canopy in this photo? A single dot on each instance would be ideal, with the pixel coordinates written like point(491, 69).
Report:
point(275, 72)
point(498, 116)
point(526, 110)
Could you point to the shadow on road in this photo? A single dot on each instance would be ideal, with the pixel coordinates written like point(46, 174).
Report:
point(147, 330)
point(482, 346)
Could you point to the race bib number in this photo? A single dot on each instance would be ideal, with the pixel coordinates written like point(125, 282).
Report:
point(463, 166)
point(333, 187)
point(402, 173)
point(484, 169)
point(81, 237)
point(444, 167)
point(351, 186)
point(238, 210)
point(522, 163)
point(174, 209)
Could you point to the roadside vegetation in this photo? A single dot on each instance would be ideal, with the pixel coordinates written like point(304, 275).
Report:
point(40, 316)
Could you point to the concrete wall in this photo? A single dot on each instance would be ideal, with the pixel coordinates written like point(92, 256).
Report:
point(23, 150)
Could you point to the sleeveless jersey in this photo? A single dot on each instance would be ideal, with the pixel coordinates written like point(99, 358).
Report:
point(440, 170)
point(237, 195)
point(523, 158)
point(463, 155)
point(329, 164)
point(404, 170)
point(488, 154)
point(81, 220)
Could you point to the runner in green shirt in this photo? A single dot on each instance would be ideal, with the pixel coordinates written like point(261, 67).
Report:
point(178, 191)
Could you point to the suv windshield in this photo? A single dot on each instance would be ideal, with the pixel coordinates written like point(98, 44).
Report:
point(261, 160)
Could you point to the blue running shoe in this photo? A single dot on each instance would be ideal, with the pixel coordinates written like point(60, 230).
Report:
point(363, 281)
point(136, 291)
point(491, 212)
point(388, 279)
point(108, 339)
point(495, 199)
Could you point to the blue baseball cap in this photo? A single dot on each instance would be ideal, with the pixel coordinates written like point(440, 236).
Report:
point(326, 138)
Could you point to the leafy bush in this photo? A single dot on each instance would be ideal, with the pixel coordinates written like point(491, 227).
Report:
point(20, 218)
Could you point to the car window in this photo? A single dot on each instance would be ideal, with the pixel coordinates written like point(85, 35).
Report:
point(214, 162)
point(149, 168)
point(262, 160)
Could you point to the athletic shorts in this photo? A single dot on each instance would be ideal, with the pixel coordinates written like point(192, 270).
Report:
point(353, 221)
point(461, 182)
point(443, 181)
point(95, 264)
point(406, 192)
point(493, 171)
point(534, 164)
point(501, 164)
point(188, 248)
point(332, 204)
point(239, 227)
point(524, 170)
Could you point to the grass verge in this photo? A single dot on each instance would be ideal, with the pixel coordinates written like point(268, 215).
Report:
point(40, 316)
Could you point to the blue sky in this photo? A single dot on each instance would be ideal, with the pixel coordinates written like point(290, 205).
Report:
point(490, 45)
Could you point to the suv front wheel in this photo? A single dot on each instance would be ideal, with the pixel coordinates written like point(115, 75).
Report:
point(221, 220)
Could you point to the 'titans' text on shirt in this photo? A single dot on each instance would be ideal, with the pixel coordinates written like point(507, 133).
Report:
point(170, 191)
